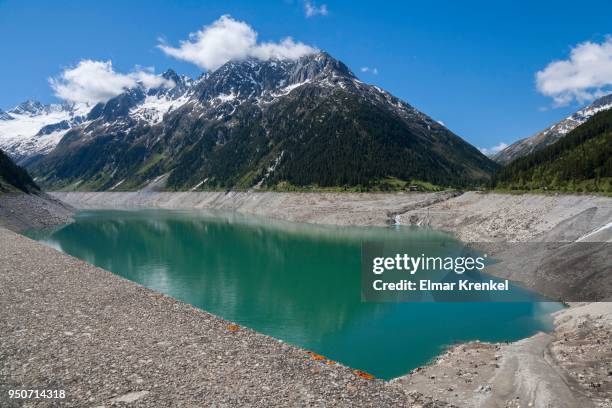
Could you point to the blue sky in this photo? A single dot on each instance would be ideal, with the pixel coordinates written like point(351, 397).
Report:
point(470, 64)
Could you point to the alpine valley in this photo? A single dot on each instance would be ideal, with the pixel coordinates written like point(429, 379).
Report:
point(249, 124)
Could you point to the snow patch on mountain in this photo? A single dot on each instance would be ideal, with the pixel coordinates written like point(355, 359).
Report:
point(226, 97)
point(286, 90)
point(25, 132)
point(578, 118)
point(154, 107)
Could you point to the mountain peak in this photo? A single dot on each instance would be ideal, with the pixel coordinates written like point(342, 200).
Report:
point(171, 75)
point(305, 67)
point(181, 85)
point(254, 78)
point(322, 63)
point(28, 107)
point(4, 115)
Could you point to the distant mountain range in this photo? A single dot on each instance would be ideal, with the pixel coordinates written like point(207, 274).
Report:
point(248, 124)
point(552, 134)
point(32, 129)
point(580, 161)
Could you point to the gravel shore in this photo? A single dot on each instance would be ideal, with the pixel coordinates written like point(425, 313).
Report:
point(359, 209)
point(513, 228)
point(65, 324)
point(493, 217)
point(568, 368)
point(20, 211)
point(472, 216)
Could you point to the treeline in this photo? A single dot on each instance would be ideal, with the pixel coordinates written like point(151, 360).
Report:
point(581, 161)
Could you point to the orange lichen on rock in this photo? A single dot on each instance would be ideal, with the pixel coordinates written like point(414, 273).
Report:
point(316, 356)
point(364, 375)
point(232, 327)
point(330, 362)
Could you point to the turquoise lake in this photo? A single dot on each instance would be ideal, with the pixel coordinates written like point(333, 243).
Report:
point(296, 282)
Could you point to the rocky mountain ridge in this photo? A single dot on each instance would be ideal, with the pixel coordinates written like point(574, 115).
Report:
point(255, 124)
point(552, 134)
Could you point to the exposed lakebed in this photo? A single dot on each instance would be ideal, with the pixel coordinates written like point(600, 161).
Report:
point(296, 282)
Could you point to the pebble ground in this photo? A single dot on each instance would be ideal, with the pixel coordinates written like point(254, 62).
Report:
point(67, 325)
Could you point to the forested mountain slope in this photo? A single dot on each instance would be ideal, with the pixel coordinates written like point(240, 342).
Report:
point(580, 161)
point(555, 132)
point(13, 177)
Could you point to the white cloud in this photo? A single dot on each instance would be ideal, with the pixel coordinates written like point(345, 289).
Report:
point(96, 81)
point(495, 149)
point(586, 75)
point(149, 79)
point(373, 71)
point(228, 39)
point(312, 10)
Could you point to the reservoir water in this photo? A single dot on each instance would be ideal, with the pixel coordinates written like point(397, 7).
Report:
point(296, 282)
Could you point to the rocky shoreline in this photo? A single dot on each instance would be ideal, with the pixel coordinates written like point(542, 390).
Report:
point(572, 366)
point(471, 216)
point(567, 368)
point(358, 209)
point(20, 211)
point(107, 341)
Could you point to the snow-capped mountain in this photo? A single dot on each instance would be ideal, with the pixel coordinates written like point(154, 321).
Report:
point(4, 115)
point(252, 123)
point(141, 105)
point(32, 129)
point(552, 134)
